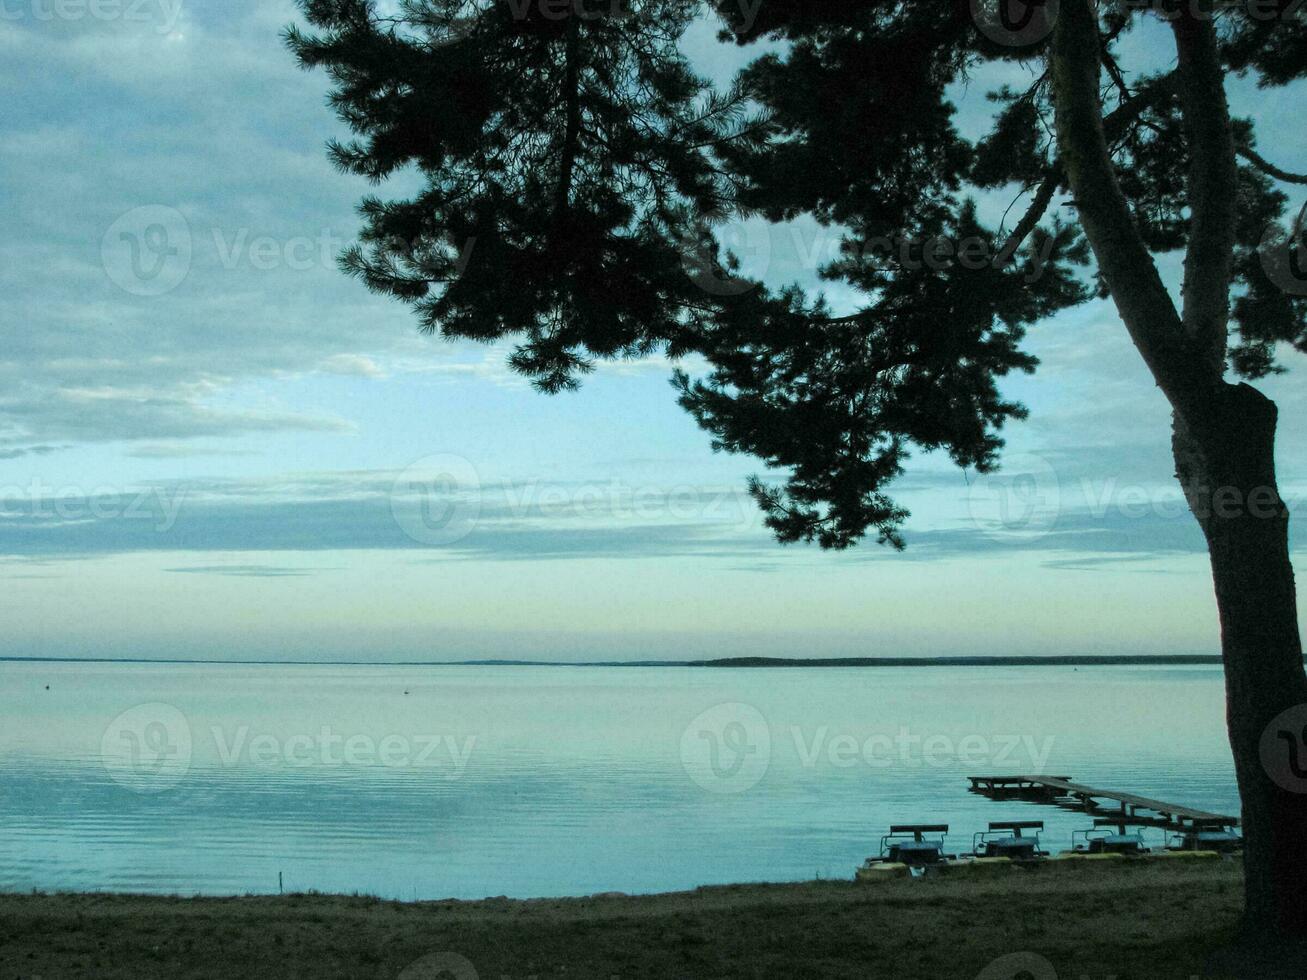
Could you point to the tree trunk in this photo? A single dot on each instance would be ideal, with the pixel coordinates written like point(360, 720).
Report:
point(1224, 438)
point(1228, 475)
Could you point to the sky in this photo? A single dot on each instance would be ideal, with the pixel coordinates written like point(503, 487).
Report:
point(214, 445)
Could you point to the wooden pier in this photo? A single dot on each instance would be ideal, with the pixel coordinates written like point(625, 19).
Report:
point(1129, 807)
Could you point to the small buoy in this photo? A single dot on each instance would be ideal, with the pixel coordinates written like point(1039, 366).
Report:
point(47, 687)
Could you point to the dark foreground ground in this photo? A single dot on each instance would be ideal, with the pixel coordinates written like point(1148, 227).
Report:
point(1129, 924)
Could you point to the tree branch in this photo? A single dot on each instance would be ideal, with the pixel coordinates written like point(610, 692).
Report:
point(1115, 125)
point(1268, 168)
point(1114, 71)
point(1123, 257)
point(1213, 175)
point(572, 134)
point(1030, 221)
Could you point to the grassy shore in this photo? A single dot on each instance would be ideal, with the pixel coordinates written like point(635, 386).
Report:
point(1155, 923)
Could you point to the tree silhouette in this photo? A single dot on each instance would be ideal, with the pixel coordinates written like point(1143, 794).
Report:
point(573, 167)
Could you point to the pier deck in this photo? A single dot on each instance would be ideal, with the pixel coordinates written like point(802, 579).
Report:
point(1061, 791)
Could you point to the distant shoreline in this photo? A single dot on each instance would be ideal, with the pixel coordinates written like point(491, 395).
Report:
point(1073, 661)
point(1192, 660)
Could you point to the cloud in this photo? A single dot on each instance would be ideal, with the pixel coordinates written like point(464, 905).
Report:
point(352, 365)
point(181, 450)
point(369, 510)
point(1112, 534)
point(129, 413)
point(527, 521)
point(118, 119)
point(28, 451)
point(118, 116)
point(1103, 563)
point(113, 173)
point(245, 571)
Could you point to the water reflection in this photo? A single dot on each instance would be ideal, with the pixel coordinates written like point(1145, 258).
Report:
point(472, 781)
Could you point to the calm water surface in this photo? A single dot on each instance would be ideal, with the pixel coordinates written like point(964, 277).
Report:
point(426, 782)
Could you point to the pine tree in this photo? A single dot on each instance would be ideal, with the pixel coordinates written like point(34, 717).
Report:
point(573, 168)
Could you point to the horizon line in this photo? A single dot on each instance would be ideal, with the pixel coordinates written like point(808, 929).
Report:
point(1108, 660)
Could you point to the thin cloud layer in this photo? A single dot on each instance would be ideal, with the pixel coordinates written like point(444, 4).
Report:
point(382, 511)
point(150, 267)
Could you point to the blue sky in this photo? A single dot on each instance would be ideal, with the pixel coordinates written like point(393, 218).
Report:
point(226, 455)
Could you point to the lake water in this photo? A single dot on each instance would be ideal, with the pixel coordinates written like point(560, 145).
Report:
point(427, 782)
